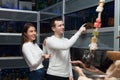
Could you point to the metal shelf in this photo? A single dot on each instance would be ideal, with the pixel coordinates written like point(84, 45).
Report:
point(12, 62)
point(18, 15)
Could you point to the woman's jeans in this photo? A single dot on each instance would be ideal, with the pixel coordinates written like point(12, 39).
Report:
point(37, 74)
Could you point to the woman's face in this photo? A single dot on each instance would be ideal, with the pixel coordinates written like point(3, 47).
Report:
point(31, 33)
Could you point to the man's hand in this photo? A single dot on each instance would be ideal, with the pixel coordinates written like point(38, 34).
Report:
point(82, 28)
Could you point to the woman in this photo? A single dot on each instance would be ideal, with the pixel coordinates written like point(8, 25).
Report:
point(32, 53)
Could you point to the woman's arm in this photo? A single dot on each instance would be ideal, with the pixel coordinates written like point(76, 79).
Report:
point(29, 57)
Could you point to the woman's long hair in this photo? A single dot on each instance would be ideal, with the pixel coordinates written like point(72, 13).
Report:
point(25, 29)
point(24, 37)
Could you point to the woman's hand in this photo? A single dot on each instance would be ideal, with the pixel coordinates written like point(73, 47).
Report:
point(46, 56)
point(71, 78)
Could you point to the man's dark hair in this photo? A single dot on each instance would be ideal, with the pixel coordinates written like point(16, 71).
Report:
point(53, 21)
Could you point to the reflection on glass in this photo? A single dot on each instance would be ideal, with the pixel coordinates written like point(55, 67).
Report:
point(100, 60)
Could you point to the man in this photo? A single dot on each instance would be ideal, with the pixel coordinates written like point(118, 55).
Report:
point(58, 46)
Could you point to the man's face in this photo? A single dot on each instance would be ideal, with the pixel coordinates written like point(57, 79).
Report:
point(59, 27)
